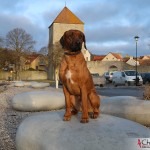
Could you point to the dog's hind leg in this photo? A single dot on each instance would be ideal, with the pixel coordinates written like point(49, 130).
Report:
point(84, 99)
point(74, 104)
point(95, 103)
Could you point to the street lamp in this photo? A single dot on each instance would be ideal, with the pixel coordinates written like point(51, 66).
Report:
point(136, 79)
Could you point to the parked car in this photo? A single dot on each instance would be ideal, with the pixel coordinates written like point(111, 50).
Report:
point(98, 80)
point(126, 77)
point(108, 76)
point(146, 78)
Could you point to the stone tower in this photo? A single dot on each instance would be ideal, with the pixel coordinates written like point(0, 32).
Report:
point(65, 20)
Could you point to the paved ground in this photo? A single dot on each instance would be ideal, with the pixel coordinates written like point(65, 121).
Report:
point(121, 91)
point(10, 119)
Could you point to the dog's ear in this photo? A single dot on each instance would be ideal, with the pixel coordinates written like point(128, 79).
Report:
point(84, 41)
point(62, 42)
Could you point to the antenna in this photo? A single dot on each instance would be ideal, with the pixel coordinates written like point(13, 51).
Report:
point(65, 3)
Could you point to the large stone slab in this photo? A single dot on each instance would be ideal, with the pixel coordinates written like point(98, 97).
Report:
point(38, 101)
point(32, 84)
point(18, 83)
point(127, 107)
point(39, 85)
point(47, 131)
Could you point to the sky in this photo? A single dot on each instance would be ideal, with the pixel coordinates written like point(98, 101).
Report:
point(109, 25)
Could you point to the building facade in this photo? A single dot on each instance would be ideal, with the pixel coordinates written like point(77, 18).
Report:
point(66, 20)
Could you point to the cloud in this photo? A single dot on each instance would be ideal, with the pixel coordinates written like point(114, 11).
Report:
point(8, 4)
point(39, 34)
point(109, 26)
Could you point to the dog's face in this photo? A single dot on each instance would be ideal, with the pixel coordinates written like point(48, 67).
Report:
point(72, 40)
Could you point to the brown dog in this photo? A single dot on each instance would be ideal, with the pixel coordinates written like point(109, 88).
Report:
point(78, 87)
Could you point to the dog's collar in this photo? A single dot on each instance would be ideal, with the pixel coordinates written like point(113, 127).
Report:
point(72, 53)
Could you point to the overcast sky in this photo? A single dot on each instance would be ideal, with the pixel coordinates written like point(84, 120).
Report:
point(110, 25)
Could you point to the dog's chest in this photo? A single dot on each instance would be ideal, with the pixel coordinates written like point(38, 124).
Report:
point(69, 76)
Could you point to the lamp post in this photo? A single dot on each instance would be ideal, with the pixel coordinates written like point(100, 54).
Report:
point(136, 79)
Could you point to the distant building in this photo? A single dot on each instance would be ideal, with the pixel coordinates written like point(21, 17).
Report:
point(131, 61)
point(66, 20)
point(109, 57)
point(36, 62)
point(145, 57)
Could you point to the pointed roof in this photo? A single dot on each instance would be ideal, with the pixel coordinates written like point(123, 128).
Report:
point(98, 57)
point(118, 56)
point(31, 58)
point(66, 16)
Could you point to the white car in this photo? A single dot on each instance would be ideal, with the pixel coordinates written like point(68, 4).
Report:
point(108, 76)
point(98, 80)
point(127, 77)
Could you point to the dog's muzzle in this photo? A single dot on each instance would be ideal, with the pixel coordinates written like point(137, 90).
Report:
point(77, 46)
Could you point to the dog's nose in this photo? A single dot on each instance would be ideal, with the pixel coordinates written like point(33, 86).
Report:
point(78, 42)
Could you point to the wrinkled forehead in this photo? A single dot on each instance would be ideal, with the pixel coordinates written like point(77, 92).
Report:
point(73, 33)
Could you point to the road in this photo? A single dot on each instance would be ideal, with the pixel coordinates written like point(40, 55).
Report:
point(120, 91)
point(110, 90)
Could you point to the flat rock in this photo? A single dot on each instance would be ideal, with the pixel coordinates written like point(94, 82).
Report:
point(47, 131)
point(127, 107)
point(38, 101)
point(18, 83)
point(39, 85)
point(27, 83)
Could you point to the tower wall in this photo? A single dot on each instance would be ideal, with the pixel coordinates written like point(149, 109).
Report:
point(58, 29)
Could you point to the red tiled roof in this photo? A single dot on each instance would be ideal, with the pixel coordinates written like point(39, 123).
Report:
point(125, 59)
point(31, 58)
point(66, 16)
point(98, 58)
point(117, 56)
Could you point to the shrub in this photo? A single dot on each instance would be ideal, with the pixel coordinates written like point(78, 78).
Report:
point(146, 94)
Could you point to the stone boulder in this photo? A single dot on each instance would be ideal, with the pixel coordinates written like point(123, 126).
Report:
point(48, 131)
point(39, 85)
point(27, 83)
point(18, 83)
point(127, 107)
point(38, 101)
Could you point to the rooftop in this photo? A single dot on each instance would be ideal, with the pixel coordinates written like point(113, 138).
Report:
point(66, 16)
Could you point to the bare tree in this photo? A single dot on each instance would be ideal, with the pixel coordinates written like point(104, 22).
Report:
point(55, 54)
point(21, 42)
point(43, 51)
point(1, 42)
point(6, 57)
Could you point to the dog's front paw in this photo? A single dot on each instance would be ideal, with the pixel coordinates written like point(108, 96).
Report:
point(67, 117)
point(84, 120)
point(95, 115)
